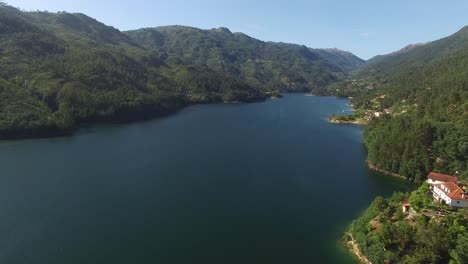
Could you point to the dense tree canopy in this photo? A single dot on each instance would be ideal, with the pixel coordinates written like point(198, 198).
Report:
point(58, 70)
point(386, 235)
point(425, 88)
point(264, 64)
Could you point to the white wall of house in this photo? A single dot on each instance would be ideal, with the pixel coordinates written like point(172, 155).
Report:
point(439, 194)
point(430, 181)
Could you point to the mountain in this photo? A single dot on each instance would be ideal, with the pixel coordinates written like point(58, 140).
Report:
point(425, 90)
point(402, 51)
point(267, 64)
point(343, 59)
point(58, 70)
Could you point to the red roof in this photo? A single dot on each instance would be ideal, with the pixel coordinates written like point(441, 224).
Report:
point(453, 191)
point(442, 177)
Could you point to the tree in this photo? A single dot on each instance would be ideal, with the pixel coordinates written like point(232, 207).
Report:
point(419, 198)
point(460, 253)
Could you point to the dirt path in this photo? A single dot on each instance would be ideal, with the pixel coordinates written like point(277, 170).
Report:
point(353, 246)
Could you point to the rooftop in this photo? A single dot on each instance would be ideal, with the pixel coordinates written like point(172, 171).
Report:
point(452, 190)
point(442, 177)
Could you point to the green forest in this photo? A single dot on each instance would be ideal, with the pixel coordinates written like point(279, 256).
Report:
point(59, 70)
point(424, 89)
point(385, 234)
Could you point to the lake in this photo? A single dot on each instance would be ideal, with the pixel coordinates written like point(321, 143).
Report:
point(269, 182)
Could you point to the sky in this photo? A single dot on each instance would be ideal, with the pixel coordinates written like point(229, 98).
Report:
point(363, 27)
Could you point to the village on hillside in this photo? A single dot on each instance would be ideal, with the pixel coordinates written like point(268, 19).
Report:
point(375, 109)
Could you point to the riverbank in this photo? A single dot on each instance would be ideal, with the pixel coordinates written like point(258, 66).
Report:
point(361, 122)
point(357, 117)
point(119, 117)
point(353, 247)
point(375, 168)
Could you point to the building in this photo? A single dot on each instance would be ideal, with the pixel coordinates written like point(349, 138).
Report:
point(451, 194)
point(406, 206)
point(438, 178)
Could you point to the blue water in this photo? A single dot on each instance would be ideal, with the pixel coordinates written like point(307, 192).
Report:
point(269, 182)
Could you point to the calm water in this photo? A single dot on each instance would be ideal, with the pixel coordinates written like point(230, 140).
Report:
point(269, 182)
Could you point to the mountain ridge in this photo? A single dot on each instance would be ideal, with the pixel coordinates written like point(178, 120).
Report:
point(230, 48)
point(73, 69)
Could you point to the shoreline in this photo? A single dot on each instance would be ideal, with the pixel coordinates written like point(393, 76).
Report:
point(371, 166)
point(354, 122)
point(70, 132)
point(351, 243)
point(353, 247)
point(127, 118)
point(359, 121)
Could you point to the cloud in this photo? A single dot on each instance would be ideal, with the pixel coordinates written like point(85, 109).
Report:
point(364, 34)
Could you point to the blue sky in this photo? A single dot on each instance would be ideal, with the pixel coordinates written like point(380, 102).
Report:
point(364, 27)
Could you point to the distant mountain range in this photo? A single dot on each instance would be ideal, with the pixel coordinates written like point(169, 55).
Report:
point(275, 65)
point(58, 70)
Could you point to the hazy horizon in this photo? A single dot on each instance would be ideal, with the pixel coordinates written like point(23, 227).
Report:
point(363, 27)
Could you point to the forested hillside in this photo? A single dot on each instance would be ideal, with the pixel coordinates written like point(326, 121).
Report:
point(421, 93)
point(431, 234)
point(264, 64)
point(58, 70)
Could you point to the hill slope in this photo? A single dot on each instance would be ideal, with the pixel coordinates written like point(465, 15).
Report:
point(58, 70)
point(425, 89)
point(275, 65)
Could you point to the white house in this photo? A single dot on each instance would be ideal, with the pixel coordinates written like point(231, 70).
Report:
point(378, 114)
point(450, 194)
point(437, 178)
